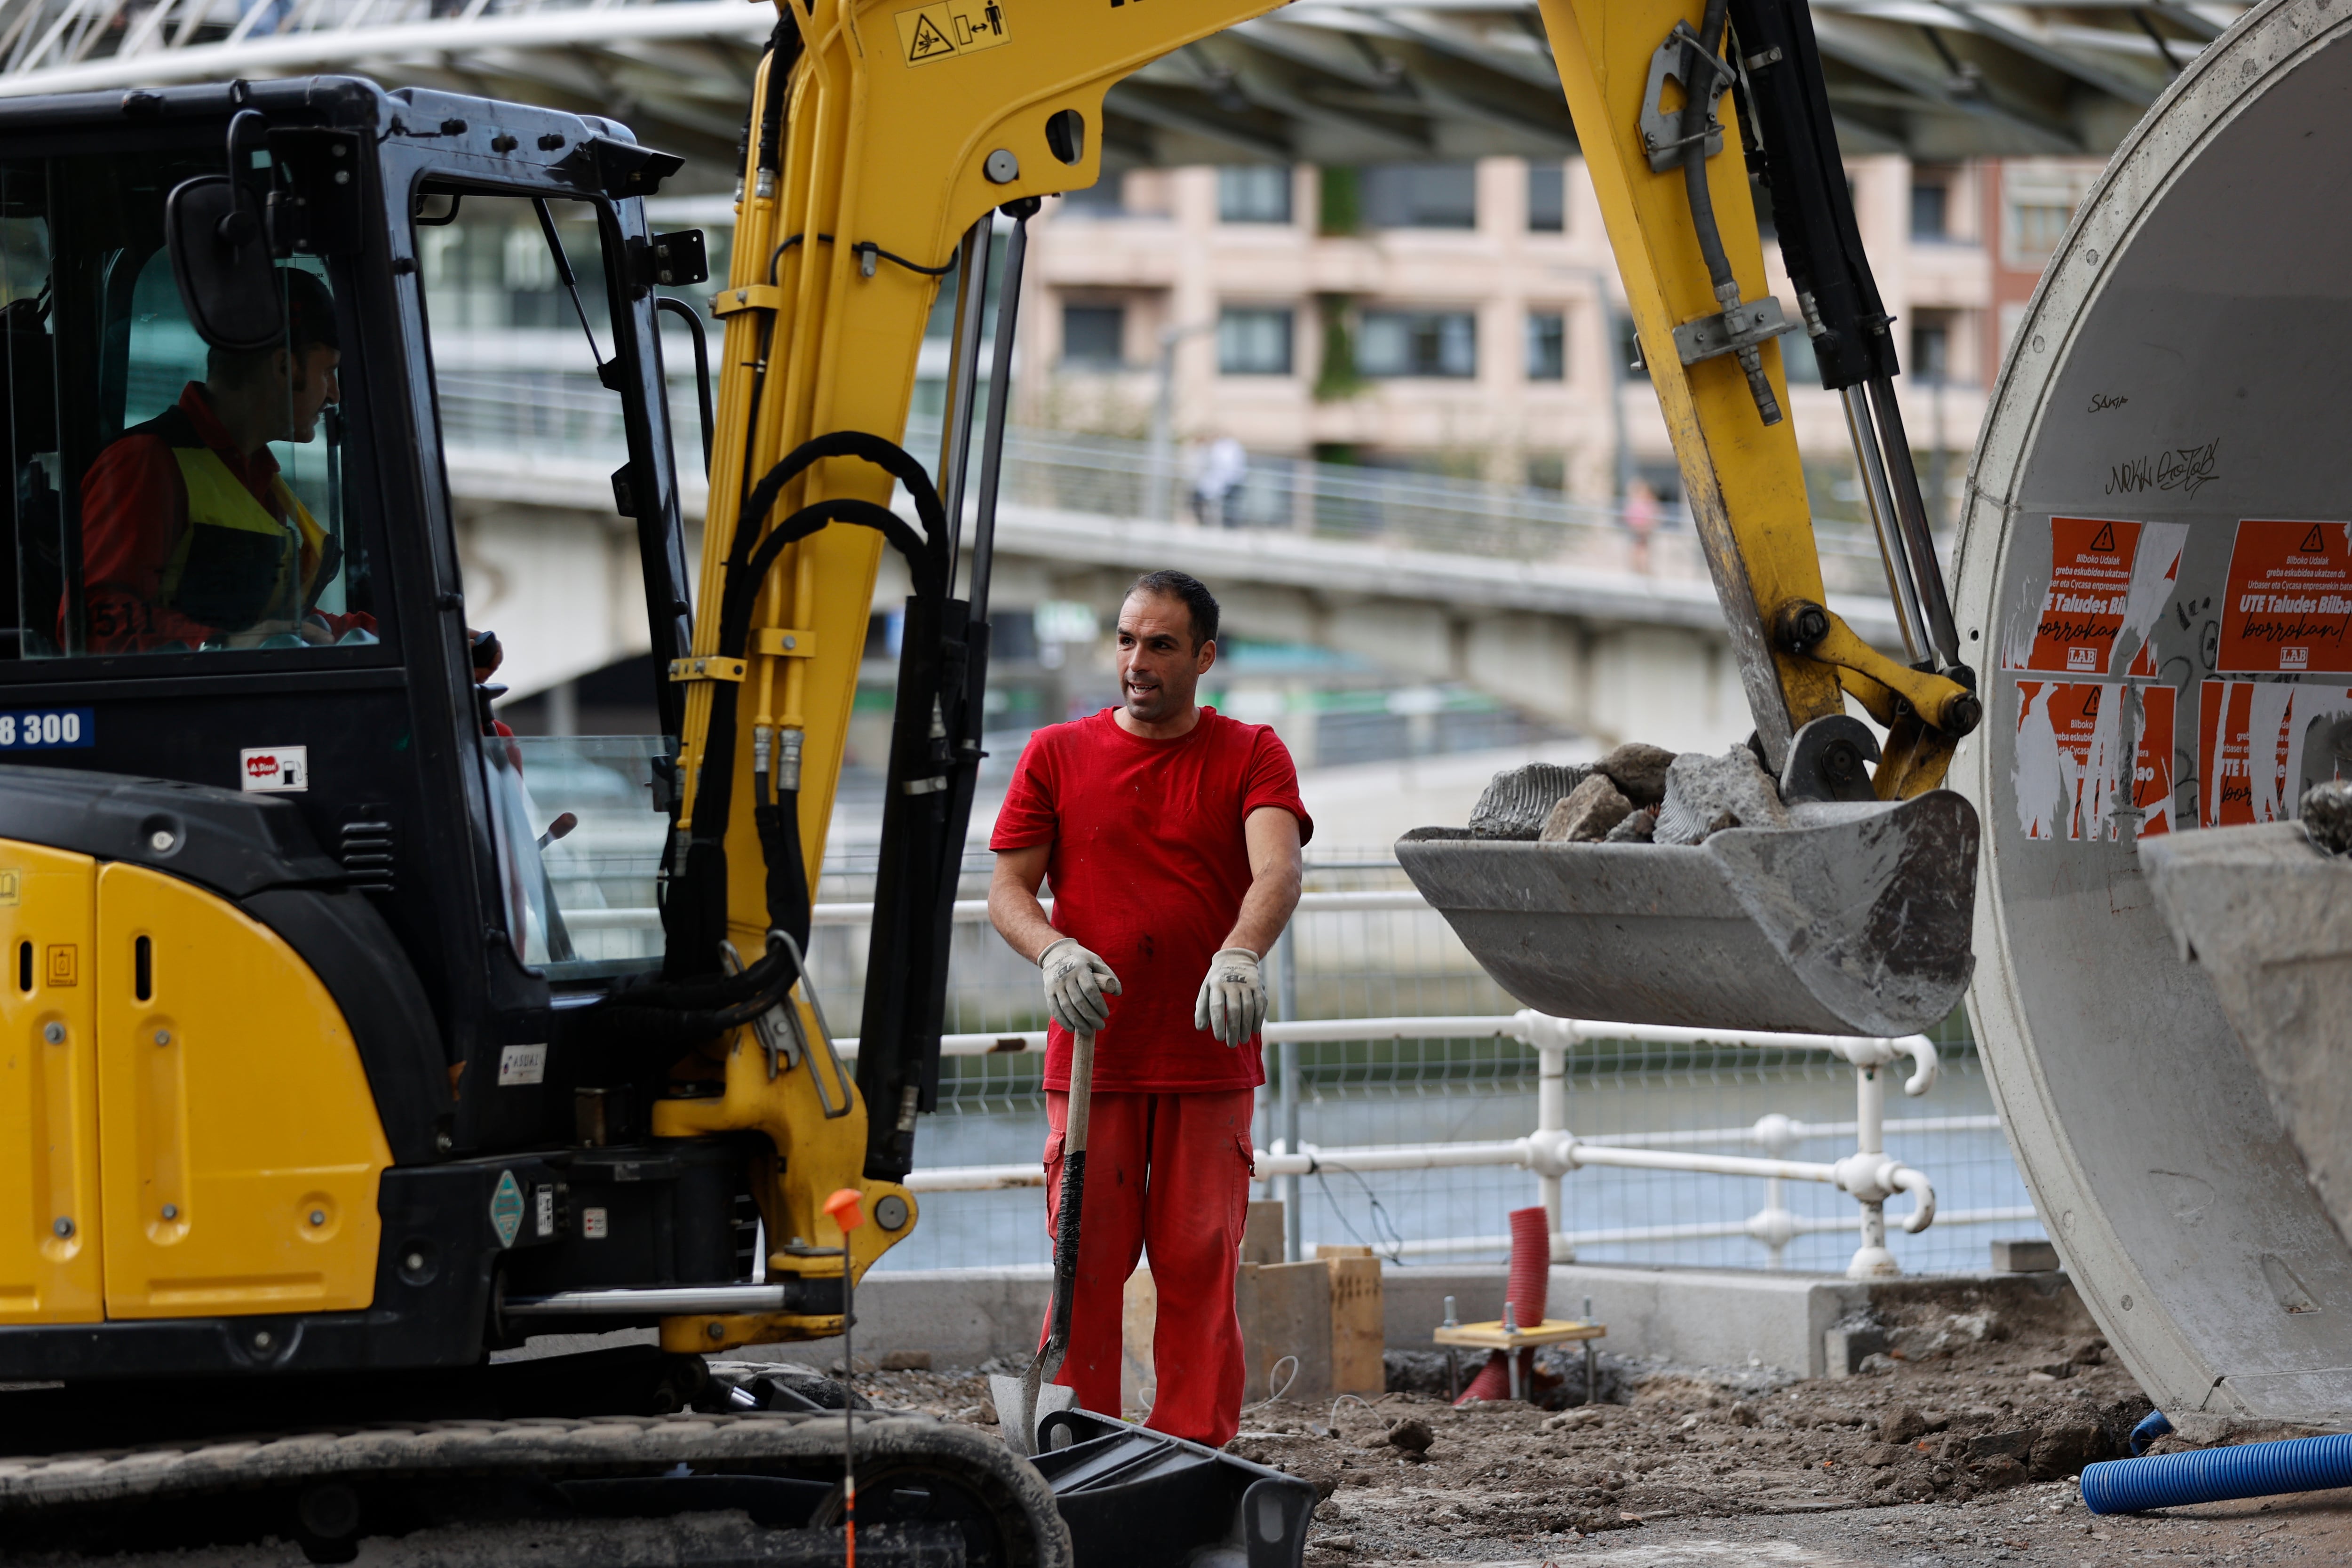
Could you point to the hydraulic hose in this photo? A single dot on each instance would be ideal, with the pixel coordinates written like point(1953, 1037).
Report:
point(2217, 1474)
point(701, 905)
point(1703, 70)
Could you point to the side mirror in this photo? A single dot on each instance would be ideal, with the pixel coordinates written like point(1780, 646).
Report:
point(221, 260)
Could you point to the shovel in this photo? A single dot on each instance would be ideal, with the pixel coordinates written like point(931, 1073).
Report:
point(1017, 1399)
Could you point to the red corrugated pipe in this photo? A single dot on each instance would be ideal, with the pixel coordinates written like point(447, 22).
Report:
point(1530, 1284)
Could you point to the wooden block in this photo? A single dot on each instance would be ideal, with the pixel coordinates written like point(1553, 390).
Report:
point(1262, 1232)
point(1358, 1326)
point(1494, 1337)
point(1286, 1310)
point(1138, 1317)
point(1330, 1250)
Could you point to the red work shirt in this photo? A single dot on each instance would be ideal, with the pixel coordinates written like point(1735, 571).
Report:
point(1149, 868)
point(134, 508)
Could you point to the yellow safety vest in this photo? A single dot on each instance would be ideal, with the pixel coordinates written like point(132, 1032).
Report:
point(237, 564)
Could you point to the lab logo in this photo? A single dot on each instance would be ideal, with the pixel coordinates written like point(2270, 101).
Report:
point(2295, 659)
point(2084, 656)
point(274, 769)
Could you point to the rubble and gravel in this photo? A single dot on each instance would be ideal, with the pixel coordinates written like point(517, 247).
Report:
point(1960, 1452)
point(1639, 770)
point(1705, 795)
point(1641, 828)
point(2327, 815)
point(1586, 813)
point(1516, 801)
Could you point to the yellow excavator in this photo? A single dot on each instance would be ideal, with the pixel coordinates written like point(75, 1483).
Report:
point(328, 1065)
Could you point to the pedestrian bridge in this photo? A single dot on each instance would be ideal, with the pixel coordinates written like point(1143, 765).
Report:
point(1552, 607)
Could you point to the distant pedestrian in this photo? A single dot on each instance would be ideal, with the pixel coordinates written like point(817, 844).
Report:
point(1640, 520)
point(1171, 835)
point(1224, 467)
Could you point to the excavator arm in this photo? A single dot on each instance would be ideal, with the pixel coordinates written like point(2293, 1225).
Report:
point(883, 145)
point(884, 142)
point(1653, 91)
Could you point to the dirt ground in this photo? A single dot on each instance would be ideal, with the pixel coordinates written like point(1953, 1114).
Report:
point(1958, 1447)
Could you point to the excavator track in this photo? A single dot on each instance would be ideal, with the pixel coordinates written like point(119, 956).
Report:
point(692, 1490)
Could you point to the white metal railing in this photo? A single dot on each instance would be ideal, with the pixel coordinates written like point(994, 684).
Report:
point(1869, 1175)
point(972, 910)
point(559, 413)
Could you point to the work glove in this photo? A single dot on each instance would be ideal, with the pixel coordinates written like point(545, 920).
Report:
point(1232, 1003)
point(1078, 987)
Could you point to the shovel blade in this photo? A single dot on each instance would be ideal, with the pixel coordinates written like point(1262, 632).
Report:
point(1020, 1426)
point(1856, 920)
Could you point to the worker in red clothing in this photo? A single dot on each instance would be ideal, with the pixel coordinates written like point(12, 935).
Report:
point(189, 534)
point(1172, 837)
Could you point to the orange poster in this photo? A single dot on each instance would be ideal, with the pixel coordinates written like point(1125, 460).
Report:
point(2249, 747)
point(2099, 585)
point(2069, 742)
point(2290, 600)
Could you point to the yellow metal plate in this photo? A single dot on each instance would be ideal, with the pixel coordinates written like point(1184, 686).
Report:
point(242, 1149)
point(52, 1269)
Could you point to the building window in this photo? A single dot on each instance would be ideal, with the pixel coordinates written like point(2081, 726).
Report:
point(1254, 193)
point(1546, 198)
point(1418, 343)
point(1931, 347)
point(2035, 229)
point(1253, 341)
point(1094, 337)
point(1547, 471)
point(1420, 195)
point(1107, 197)
point(1931, 210)
point(1547, 346)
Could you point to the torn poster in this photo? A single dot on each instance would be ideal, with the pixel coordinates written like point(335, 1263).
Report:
point(2289, 603)
point(2070, 746)
point(2109, 580)
point(2255, 747)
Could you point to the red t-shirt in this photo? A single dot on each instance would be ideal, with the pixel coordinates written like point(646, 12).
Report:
point(1149, 869)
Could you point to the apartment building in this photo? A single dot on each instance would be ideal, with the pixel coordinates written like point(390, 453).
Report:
point(1466, 318)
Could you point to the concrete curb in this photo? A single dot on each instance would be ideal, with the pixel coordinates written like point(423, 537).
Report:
point(1699, 1317)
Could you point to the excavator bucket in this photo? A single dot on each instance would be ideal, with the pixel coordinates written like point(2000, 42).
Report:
point(1854, 920)
point(2267, 913)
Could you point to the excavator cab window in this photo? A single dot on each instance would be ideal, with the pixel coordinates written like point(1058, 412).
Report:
point(165, 499)
point(525, 343)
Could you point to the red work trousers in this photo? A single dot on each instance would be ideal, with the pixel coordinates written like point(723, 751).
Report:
point(1167, 1178)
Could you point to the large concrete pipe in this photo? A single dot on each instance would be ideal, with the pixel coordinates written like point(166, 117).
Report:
point(2156, 565)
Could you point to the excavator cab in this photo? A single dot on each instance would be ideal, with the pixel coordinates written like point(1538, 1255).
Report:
point(298, 958)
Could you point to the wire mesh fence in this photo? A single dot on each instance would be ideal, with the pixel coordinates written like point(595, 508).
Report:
point(1367, 963)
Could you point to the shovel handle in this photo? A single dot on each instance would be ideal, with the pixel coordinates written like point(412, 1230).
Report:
point(1074, 1192)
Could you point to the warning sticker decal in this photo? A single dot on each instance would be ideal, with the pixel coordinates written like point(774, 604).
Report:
point(2069, 748)
point(2107, 577)
point(2290, 600)
point(950, 28)
point(2251, 751)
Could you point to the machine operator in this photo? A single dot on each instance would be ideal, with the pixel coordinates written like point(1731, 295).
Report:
point(189, 533)
point(1170, 834)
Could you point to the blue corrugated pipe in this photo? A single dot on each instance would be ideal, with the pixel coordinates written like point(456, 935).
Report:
point(2152, 1427)
point(2216, 1475)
